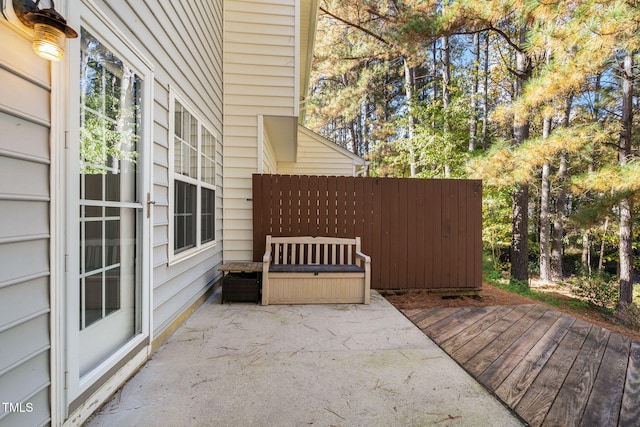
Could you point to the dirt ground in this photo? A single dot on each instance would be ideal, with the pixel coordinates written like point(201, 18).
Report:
point(492, 295)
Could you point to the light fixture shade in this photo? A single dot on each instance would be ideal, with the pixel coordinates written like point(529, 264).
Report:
point(50, 29)
point(48, 42)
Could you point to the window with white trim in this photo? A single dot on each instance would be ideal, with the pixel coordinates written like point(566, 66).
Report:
point(194, 186)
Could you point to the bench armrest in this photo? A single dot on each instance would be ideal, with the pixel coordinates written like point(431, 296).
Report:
point(365, 258)
point(367, 274)
point(266, 261)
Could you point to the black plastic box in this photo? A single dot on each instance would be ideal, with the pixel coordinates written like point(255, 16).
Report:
point(241, 287)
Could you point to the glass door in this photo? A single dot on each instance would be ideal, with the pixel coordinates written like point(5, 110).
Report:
point(111, 203)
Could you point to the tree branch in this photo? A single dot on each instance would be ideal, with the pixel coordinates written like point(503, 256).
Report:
point(356, 26)
point(504, 35)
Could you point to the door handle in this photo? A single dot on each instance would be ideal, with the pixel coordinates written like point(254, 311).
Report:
point(149, 203)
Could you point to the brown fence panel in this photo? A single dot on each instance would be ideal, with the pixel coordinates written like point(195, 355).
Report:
point(420, 234)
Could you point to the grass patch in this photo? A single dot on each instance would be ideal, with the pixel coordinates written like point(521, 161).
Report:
point(595, 297)
point(501, 280)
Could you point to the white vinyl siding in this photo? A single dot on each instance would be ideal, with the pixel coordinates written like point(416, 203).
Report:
point(183, 41)
point(25, 240)
point(260, 77)
point(318, 156)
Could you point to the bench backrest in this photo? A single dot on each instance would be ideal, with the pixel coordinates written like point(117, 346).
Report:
point(313, 250)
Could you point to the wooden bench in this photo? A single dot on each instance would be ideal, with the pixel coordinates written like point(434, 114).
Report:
point(314, 270)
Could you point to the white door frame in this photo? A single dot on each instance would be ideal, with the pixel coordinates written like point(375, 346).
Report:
point(70, 386)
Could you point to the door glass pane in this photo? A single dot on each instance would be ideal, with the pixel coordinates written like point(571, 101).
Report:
point(112, 291)
point(110, 121)
point(110, 207)
point(92, 299)
point(92, 244)
point(112, 240)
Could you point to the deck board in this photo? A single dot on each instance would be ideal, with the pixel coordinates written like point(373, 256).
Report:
point(504, 365)
point(455, 342)
point(538, 399)
point(603, 407)
point(569, 405)
point(434, 316)
point(550, 368)
point(630, 410)
point(455, 324)
point(487, 356)
point(478, 343)
point(513, 388)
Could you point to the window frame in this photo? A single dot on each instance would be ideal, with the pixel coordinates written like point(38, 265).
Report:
point(200, 184)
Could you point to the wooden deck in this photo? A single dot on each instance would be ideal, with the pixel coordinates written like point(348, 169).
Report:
point(550, 368)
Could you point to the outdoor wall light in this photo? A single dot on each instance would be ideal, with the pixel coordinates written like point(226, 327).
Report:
point(49, 28)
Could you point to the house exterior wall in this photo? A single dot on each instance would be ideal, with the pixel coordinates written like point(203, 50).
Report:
point(183, 43)
point(25, 196)
point(260, 77)
point(317, 156)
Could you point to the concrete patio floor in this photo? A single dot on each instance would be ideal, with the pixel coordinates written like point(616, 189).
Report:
point(329, 365)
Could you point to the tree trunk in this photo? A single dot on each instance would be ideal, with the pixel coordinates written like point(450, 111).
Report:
point(473, 125)
point(586, 253)
point(485, 91)
point(446, 93)
point(520, 236)
point(520, 223)
point(409, 88)
point(545, 224)
point(354, 136)
point(445, 58)
point(602, 244)
point(434, 53)
point(557, 246)
point(624, 155)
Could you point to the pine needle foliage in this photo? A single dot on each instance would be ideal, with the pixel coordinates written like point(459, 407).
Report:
point(569, 94)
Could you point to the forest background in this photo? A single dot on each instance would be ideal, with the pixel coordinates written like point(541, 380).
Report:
point(536, 98)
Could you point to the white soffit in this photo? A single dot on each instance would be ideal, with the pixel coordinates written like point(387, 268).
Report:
point(283, 135)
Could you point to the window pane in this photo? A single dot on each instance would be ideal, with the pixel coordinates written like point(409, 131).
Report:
point(177, 120)
point(185, 145)
point(207, 158)
point(193, 149)
point(178, 156)
point(208, 223)
point(184, 216)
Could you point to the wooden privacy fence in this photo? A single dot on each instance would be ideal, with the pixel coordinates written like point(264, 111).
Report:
point(420, 234)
